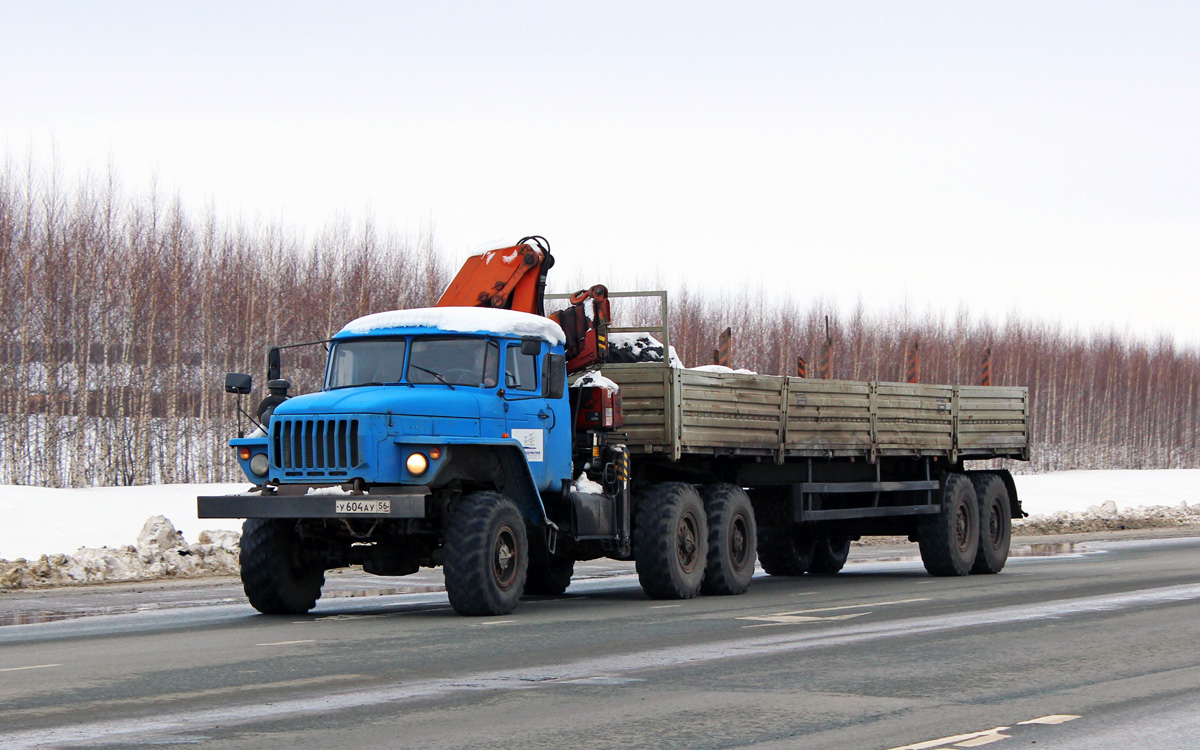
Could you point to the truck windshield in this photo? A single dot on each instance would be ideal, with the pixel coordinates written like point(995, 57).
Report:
point(366, 362)
point(454, 361)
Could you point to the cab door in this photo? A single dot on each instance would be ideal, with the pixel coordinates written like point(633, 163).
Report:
point(541, 425)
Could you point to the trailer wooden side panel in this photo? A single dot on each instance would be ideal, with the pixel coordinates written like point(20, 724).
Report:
point(688, 412)
point(734, 415)
point(828, 416)
point(992, 419)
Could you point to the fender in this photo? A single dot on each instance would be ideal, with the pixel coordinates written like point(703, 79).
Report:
point(503, 464)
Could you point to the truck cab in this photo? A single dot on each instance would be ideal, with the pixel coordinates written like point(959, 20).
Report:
point(425, 418)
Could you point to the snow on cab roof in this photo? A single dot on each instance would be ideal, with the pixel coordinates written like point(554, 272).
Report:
point(461, 320)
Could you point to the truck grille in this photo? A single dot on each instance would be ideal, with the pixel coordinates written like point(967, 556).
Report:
point(315, 446)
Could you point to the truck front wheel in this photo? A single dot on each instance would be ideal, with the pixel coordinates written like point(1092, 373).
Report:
point(276, 576)
point(731, 539)
point(949, 539)
point(670, 541)
point(486, 555)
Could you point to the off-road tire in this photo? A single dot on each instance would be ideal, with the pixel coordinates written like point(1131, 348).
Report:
point(670, 541)
point(548, 575)
point(829, 555)
point(949, 540)
point(784, 549)
point(486, 555)
point(995, 523)
point(275, 576)
point(731, 540)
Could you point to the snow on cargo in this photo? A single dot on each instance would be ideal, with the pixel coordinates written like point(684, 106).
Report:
point(461, 320)
point(598, 380)
point(638, 347)
point(721, 370)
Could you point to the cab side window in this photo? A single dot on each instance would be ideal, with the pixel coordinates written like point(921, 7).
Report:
point(520, 370)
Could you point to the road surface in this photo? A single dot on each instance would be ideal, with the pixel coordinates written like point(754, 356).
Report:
point(1094, 647)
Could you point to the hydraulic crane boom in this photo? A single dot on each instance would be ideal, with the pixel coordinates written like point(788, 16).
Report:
point(514, 278)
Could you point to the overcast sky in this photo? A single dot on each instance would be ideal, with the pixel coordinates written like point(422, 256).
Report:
point(1041, 158)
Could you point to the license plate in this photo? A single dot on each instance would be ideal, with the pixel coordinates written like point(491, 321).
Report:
point(362, 506)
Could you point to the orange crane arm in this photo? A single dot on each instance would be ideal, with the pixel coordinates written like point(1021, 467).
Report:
point(511, 278)
point(514, 278)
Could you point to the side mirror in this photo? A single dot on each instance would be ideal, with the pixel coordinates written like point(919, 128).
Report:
point(554, 375)
point(236, 382)
point(531, 347)
point(273, 365)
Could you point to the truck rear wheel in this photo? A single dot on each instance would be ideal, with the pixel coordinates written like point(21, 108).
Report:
point(995, 523)
point(670, 541)
point(784, 549)
point(486, 555)
point(829, 554)
point(949, 540)
point(731, 539)
point(548, 575)
point(276, 577)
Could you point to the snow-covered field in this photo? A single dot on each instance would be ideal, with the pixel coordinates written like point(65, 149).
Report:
point(39, 521)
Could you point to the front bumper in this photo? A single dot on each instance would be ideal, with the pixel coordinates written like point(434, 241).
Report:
point(401, 502)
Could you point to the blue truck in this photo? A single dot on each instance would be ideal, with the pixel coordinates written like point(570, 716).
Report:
point(450, 436)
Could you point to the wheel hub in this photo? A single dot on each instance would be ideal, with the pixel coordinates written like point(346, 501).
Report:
point(504, 562)
point(687, 545)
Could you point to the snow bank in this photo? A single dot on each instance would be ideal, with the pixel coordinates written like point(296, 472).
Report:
point(160, 552)
point(461, 320)
point(1077, 501)
point(39, 521)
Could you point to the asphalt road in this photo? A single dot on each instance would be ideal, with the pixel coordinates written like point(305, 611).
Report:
point(1096, 648)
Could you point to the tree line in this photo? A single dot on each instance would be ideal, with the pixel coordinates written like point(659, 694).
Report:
point(121, 312)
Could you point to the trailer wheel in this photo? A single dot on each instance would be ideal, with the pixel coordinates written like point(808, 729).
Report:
point(548, 575)
point(276, 576)
point(670, 541)
point(785, 550)
point(829, 554)
point(731, 539)
point(949, 539)
point(486, 555)
point(995, 523)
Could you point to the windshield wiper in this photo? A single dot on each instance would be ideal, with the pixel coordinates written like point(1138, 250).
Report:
point(437, 375)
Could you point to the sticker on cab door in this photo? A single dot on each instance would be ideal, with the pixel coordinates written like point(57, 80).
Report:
point(531, 441)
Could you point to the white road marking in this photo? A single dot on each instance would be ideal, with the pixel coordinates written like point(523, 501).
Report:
point(492, 622)
point(769, 620)
point(1052, 719)
point(807, 615)
point(958, 740)
point(191, 719)
point(35, 666)
point(665, 606)
point(284, 643)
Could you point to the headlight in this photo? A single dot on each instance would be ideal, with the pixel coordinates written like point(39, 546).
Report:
point(259, 465)
point(417, 464)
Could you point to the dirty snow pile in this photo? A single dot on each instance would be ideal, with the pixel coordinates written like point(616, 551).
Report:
point(160, 552)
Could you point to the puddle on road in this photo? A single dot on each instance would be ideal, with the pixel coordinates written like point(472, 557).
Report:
point(416, 588)
point(40, 616)
point(1038, 549)
point(1046, 549)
